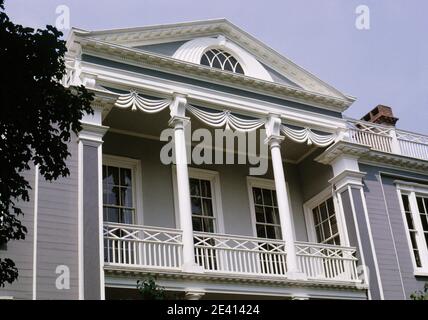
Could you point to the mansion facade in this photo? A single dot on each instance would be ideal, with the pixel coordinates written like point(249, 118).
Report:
point(340, 211)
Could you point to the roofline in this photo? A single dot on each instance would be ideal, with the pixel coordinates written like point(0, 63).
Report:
point(226, 22)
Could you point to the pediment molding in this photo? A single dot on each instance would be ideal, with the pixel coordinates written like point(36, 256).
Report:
point(160, 62)
point(190, 30)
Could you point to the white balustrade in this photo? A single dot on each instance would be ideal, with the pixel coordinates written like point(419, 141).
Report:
point(139, 246)
point(240, 255)
point(413, 145)
point(388, 139)
point(327, 262)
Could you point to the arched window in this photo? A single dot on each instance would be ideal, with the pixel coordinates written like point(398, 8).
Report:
point(221, 60)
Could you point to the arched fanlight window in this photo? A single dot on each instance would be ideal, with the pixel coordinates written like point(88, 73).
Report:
point(221, 60)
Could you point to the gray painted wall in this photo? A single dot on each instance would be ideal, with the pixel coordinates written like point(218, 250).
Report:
point(22, 251)
point(389, 232)
point(57, 237)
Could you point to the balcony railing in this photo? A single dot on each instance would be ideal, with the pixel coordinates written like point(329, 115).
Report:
point(141, 247)
point(387, 139)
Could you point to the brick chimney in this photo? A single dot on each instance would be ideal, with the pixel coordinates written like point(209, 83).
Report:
point(381, 115)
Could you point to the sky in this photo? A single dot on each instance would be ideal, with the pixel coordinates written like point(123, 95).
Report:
point(386, 64)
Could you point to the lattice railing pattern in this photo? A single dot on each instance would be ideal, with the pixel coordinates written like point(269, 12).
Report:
point(142, 246)
point(240, 255)
point(326, 262)
point(375, 136)
point(413, 145)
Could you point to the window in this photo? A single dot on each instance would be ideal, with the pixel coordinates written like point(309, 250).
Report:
point(414, 205)
point(267, 216)
point(264, 208)
point(220, 59)
point(117, 195)
point(202, 205)
point(325, 223)
point(205, 198)
point(324, 219)
point(120, 189)
point(411, 228)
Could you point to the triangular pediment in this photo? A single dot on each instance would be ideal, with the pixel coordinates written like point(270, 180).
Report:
point(189, 37)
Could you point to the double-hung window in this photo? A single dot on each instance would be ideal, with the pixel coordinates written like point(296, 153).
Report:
point(414, 206)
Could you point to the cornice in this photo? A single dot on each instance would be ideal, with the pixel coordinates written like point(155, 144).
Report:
point(366, 154)
point(159, 62)
point(189, 30)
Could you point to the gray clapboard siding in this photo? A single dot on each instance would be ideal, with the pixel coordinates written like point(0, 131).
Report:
point(389, 232)
point(22, 251)
point(57, 231)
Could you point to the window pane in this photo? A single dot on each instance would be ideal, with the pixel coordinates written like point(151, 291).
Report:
point(113, 215)
point(194, 187)
point(196, 206)
point(127, 216)
point(238, 69)
point(409, 220)
point(333, 223)
point(197, 224)
point(424, 222)
point(261, 233)
point(257, 196)
point(270, 232)
point(206, 188)
point(125, 177)
point(269, 215)
point(208, 225)
point(267, 197)
point(405, 199)
point(315, 212)
point(260, 216)
point(112, 196)
point(276, 217)
point(113, 175)
point(330, 206)
point(208, 207)
point(204, 60)
point(326, 229)
point(126, 197)
point(420, 205)
point(323, 211)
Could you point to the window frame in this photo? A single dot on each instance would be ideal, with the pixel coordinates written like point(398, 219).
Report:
point(224, 52)
point(137, 196)
point(263, 183)
point(316, 201)
point(214, 178)
point(413, 190)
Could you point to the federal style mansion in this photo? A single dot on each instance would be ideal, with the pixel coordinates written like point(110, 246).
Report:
point(341, 211)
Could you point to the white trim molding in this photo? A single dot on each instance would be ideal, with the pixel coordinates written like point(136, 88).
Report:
point(137, 194)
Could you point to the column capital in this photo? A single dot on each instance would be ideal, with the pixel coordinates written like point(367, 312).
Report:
point(347, 178)
point(178, 111)
point(274, 141)
point(92, 133)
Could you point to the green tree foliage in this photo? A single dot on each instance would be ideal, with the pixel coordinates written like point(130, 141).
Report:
point(149, 290)
point(37, 117)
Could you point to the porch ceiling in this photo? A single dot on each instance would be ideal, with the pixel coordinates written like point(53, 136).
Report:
point(151, 126)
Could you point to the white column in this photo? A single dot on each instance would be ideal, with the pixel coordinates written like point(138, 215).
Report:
point(178, 121)
point(274, 139)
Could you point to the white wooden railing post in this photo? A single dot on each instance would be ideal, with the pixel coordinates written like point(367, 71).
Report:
point(274, 140)
point(178, 121)
point(395, 145)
